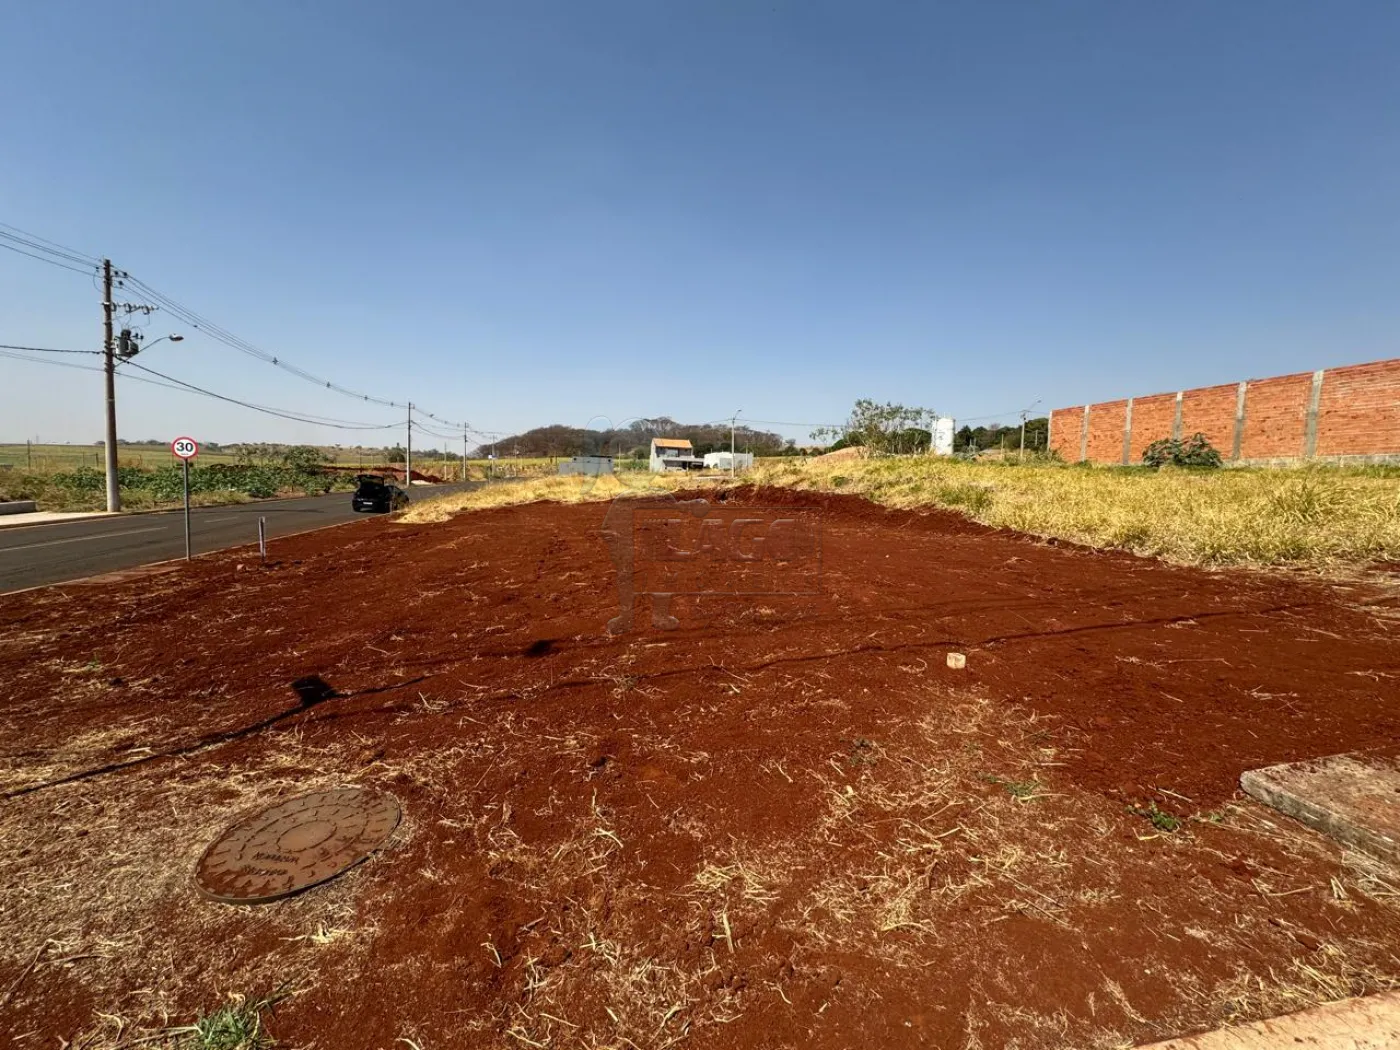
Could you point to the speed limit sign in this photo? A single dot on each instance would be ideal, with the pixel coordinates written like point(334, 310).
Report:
point(185, 447)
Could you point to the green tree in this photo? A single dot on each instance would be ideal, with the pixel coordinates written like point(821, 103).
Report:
point(302, 458)
point(881, 427)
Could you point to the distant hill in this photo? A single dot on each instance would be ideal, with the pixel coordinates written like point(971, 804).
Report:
point(634, 440)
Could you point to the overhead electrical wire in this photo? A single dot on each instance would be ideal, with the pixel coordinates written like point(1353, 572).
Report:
point(49, 361)
point(171, 383)
point(40, 258)
point(15, 233)
point(46, 349)
point(223, 335)
point(318, 421)
point(786, 423)
point(43, 250)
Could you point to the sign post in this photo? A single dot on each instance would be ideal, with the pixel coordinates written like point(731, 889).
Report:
point(186, 448)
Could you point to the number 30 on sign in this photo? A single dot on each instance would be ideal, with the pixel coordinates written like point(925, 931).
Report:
point(185, 447)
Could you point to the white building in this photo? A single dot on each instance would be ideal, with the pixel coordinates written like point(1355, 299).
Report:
point(721, 461)
point(942, 441)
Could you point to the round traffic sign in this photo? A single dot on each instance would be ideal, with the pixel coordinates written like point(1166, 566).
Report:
point(185, 447)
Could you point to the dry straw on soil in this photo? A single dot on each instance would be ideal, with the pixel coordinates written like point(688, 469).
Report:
point(550, 489)
point(1308, 517)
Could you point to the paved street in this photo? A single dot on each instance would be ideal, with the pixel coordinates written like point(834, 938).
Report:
point(36, 555)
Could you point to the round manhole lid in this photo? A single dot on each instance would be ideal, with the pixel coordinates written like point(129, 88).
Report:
point(295, 845)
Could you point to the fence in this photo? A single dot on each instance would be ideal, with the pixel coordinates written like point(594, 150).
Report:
point(1338, 415)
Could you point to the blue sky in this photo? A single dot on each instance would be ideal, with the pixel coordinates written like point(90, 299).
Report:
point(522, 213)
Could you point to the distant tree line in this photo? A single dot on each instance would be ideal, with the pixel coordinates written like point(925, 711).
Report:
point(634, 440)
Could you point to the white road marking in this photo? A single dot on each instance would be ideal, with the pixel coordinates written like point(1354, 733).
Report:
point(80, 539)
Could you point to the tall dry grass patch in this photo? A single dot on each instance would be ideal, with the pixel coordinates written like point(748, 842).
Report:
point(1304, 516)
point(1308, 516)
point(552, 489)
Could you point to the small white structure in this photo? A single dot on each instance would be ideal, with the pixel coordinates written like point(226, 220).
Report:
point(589, 465)
point(673, 454)
point(722, 461)
point(942, 440)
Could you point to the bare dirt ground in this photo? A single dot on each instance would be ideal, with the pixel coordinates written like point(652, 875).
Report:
point(784, 824)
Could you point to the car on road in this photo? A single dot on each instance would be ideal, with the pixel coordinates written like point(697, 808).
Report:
point(373, 493)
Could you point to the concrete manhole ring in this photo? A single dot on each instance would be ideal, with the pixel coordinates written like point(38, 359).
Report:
point(295, 845)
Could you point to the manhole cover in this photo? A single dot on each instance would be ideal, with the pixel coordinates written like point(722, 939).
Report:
point(297, 844)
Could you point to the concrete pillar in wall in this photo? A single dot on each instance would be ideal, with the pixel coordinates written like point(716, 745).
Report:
point(1238, 442)
point(1176, 419)
point(1084, 436)
point(1310, 427)
point(1128, 434)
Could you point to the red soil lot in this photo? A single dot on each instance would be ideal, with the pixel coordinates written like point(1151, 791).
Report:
point(786, 823)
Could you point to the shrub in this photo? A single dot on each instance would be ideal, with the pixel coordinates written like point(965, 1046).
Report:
point(1195, 451)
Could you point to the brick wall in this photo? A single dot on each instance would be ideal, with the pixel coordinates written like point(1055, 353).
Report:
point(1152, 419)
point(1065, 426)
point(1106, 431)
point(1209, 410)
point(1354, 412)
point(1359, 414)
point(1276, 413)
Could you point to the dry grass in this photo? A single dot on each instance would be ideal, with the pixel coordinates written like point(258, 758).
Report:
point(1313, 516)
point(552, 489)
point(968, 860)
point(90, 909)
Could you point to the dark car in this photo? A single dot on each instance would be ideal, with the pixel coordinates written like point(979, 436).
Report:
point(374, 493)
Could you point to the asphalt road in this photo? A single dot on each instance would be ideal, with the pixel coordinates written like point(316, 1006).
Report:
point(37, 555)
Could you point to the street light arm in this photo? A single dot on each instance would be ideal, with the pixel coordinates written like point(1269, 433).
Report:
point(173, 337)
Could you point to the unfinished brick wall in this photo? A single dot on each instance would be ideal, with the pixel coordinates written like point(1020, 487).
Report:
point(1153, 418)
point(1351, 411)
point(1359, 412)
point(1210, 410)
point(1065, 424)
point(1106, 422)
point(1276, 417)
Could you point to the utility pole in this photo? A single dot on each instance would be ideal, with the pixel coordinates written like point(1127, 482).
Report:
point(732, 420)
point(408, 453)
point(114, 492)
point(464, 453)
point(1024, 413)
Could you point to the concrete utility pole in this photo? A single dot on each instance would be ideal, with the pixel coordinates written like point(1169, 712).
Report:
point(464, 453)
point(114, 492)
point(408, 453)
point(1024, 413)
point(732, 420)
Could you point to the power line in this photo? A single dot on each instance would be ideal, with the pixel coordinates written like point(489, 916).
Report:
point(223, 335)
point(43, 250)
point(786, 423)
point(49, 361)
point(181, 386)
point(48, 350)
point(40, 258)
point(71, 253)
point(321, 421)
